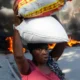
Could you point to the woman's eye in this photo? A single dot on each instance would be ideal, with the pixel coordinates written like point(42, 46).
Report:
point(42, 49)
point(39, 49)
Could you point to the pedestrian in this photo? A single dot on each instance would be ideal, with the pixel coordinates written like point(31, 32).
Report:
point(44, 64)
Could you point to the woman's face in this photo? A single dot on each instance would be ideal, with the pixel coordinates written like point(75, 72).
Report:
point(40, 55)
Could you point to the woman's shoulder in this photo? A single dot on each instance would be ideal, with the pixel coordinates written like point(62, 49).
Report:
point(31, 64)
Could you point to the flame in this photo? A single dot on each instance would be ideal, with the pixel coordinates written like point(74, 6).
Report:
point(10, 48)
point(10, 40)
point(72, 42)
point(51, 46)
point(24, 50)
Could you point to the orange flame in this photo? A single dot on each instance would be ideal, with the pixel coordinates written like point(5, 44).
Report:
point(10, 40)
point(72, 42)
point(10, 44)
point(50, 46)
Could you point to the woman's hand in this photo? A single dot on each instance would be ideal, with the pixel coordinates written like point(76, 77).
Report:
point(15, 7)
point(17, 19)
point(58, 50)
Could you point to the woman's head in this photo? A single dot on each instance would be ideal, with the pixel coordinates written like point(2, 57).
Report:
point(39, 51)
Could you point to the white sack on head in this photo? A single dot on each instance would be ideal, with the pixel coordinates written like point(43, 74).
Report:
point(42, 30)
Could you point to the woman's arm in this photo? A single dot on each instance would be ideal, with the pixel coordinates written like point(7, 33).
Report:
point(21, 61)
point(58, 50)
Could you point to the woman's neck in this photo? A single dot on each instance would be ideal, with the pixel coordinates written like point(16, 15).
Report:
point(39, 63)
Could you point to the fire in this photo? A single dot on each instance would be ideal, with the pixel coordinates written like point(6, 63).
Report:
point(24, 50)
point(50, 46)
point(10, 48)
point(72, 42)
point(10, 40)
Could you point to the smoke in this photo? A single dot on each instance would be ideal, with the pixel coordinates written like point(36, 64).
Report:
point(70, 18)
point(6, 16)
point(6, 21)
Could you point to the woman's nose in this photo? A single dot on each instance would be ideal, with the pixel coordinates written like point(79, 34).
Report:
point(44, 51)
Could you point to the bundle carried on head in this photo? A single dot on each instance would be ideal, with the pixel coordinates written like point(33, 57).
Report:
point(40, 27)
point(38, 8)
point(42, 30)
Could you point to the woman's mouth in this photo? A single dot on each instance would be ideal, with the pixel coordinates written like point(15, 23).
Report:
point(45, 56)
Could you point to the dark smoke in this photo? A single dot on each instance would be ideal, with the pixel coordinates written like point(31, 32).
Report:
point(3, 42)
point(74, 27)
point(6, 21)
point(70, 19)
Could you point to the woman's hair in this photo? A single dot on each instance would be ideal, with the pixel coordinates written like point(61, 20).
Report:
point(32, 46)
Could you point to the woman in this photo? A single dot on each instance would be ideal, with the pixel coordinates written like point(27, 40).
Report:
point(42, 67)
